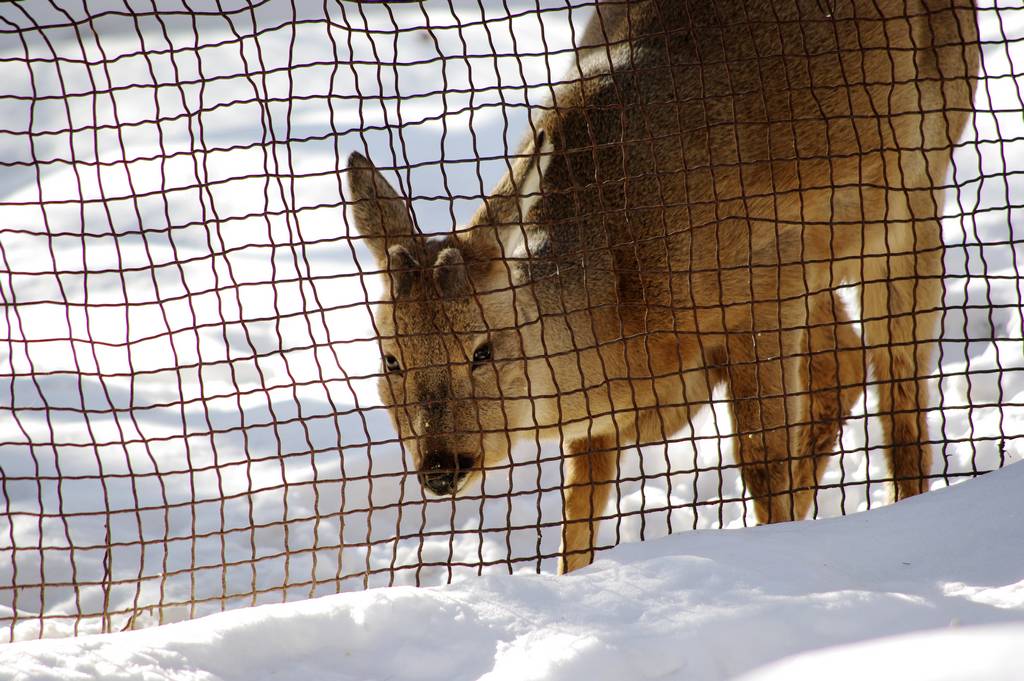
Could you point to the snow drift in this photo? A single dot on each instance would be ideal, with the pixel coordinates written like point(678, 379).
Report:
point(700, 605)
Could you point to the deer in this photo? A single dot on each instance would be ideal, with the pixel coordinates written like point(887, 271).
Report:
point(681, 216)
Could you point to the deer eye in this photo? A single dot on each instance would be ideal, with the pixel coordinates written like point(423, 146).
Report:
point(481, 355)
point(391, 364)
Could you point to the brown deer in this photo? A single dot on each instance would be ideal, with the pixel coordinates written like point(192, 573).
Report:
point(681, 216)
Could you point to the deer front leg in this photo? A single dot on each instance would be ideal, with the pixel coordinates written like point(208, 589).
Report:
point(590, 470)
point(767, 380)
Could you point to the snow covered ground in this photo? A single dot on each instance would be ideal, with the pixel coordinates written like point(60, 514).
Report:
point(188, 418)
point(947, 568)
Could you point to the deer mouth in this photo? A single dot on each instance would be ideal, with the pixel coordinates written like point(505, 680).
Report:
point(444, 474)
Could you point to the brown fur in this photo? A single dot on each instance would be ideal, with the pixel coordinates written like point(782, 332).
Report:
point(705, 186)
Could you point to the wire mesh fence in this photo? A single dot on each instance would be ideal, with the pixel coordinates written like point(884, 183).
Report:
point(744, 248)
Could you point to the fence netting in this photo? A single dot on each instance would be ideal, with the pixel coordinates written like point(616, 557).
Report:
point(191, 417)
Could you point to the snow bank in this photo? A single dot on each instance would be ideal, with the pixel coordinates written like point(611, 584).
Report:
point(992, 653)
point(701, 605)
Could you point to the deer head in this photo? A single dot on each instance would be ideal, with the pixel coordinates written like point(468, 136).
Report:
point(454, 354)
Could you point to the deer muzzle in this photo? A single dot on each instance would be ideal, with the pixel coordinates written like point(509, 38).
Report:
point(443, 472)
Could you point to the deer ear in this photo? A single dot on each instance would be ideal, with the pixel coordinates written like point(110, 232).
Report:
point(528, 188)
point(381, 214)
point(500, 224)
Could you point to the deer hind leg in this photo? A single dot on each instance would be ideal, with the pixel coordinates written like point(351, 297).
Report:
point(836, 377)
point(902, 293)
point(591, 468)
point(767, 380)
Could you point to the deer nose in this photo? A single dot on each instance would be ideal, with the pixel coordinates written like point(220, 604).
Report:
point(442, 472)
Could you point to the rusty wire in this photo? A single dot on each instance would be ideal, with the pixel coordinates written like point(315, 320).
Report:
point(189, 417)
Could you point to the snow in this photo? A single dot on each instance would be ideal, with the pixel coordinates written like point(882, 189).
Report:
point(992, 653)
point(210, 329)
point(932, 587)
